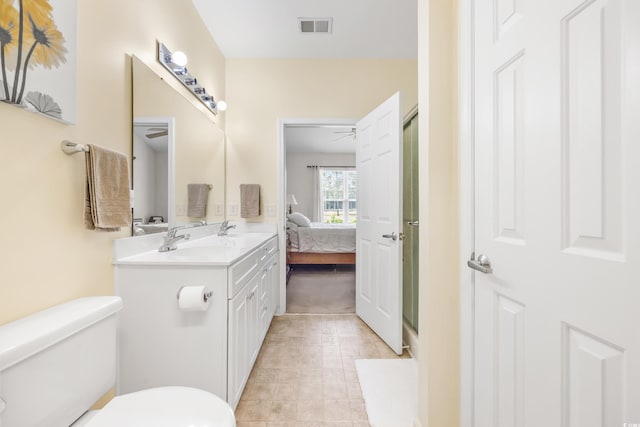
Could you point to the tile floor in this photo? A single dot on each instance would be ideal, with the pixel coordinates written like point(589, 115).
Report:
point(305, 374)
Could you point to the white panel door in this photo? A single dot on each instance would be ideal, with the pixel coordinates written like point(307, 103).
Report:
point(378, 234)
point(557, 113)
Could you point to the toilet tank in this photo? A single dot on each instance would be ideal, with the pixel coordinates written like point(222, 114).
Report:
point(56, 363)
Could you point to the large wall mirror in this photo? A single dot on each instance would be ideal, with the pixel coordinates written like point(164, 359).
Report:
point(174, 144)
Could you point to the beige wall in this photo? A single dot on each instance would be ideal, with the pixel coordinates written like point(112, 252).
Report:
point(47, 256)
point(439, 364)
point(261, 91)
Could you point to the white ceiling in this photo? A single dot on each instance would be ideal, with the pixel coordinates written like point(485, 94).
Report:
point(319, 139)
point(269, 28)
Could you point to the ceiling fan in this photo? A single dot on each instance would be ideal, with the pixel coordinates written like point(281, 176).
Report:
point(345, 133)
point(156, 132)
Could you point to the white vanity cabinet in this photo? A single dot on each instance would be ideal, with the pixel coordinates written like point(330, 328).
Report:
point(160, 345)
point(251, 308)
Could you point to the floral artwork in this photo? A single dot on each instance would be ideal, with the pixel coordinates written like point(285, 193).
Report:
point(38, 56)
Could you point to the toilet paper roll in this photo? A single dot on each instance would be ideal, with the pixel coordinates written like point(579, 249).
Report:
point(194, 298)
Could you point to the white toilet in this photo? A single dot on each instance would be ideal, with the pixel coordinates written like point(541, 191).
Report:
point(56, 363)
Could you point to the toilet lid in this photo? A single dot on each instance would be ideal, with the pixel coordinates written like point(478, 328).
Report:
point(165, 407)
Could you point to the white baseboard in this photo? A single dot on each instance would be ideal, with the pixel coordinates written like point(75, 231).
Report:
point(410, 338)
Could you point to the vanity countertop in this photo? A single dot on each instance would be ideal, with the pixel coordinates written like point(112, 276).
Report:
point(208, 250)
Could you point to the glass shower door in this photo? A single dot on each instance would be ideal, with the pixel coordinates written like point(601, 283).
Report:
point(410, 222)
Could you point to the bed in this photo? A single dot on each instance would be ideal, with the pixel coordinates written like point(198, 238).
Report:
point(320, 243)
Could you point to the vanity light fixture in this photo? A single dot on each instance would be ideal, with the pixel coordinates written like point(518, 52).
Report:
point(179, 58)
point(221, 105)
point(180, 71)
point(176, 64)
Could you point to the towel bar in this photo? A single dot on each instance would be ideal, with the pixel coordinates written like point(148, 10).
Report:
point(72, 148)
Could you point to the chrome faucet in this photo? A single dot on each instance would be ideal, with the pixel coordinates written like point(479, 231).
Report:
point(224, 228)
point(170, 240)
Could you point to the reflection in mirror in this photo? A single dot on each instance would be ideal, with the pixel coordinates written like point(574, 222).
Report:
point(153, 177)
point(175, 144)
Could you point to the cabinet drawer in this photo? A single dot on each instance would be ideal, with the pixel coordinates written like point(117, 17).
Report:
point(242, 271)
point(266, 250)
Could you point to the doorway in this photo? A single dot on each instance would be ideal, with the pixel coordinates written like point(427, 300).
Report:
point(379, 231)
point(319, 184)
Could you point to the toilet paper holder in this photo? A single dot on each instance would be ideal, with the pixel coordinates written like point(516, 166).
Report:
point(205, 297)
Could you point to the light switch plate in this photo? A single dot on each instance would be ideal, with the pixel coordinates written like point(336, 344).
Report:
point(233, 209)
point(270, 209)
point(181, 210)
point(219, 209)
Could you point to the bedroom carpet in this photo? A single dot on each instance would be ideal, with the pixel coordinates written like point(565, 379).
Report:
point(390, 391)
point(322, 290)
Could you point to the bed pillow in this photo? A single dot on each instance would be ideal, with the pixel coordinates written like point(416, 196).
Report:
point(299, 219)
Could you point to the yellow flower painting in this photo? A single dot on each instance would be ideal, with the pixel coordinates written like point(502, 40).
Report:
point(31, 43)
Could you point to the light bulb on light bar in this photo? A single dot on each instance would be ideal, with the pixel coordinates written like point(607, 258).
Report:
point(179, 58)
point(221, 105)
point(176, 64)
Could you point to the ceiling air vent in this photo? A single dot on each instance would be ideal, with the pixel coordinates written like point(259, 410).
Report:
point(315, 25)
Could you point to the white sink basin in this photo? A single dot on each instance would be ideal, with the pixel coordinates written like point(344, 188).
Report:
point(200, 253)
point(209, 250)
point(235, 240)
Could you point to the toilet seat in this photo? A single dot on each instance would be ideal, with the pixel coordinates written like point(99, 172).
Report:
point(165, 407)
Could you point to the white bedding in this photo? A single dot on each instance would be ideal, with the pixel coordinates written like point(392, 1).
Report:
point(323, 238)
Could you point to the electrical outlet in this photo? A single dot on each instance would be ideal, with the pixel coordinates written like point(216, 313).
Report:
point(270, 210)
point(219, 209)
point(233, 209)
point(181, 210)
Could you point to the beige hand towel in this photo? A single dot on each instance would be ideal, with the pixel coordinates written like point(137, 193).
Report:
point(197, 195)
point(107, 205)
point(249, 200)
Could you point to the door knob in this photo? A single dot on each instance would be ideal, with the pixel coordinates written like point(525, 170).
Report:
point(482, 264)
point(414, 223)
point(391, 236)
